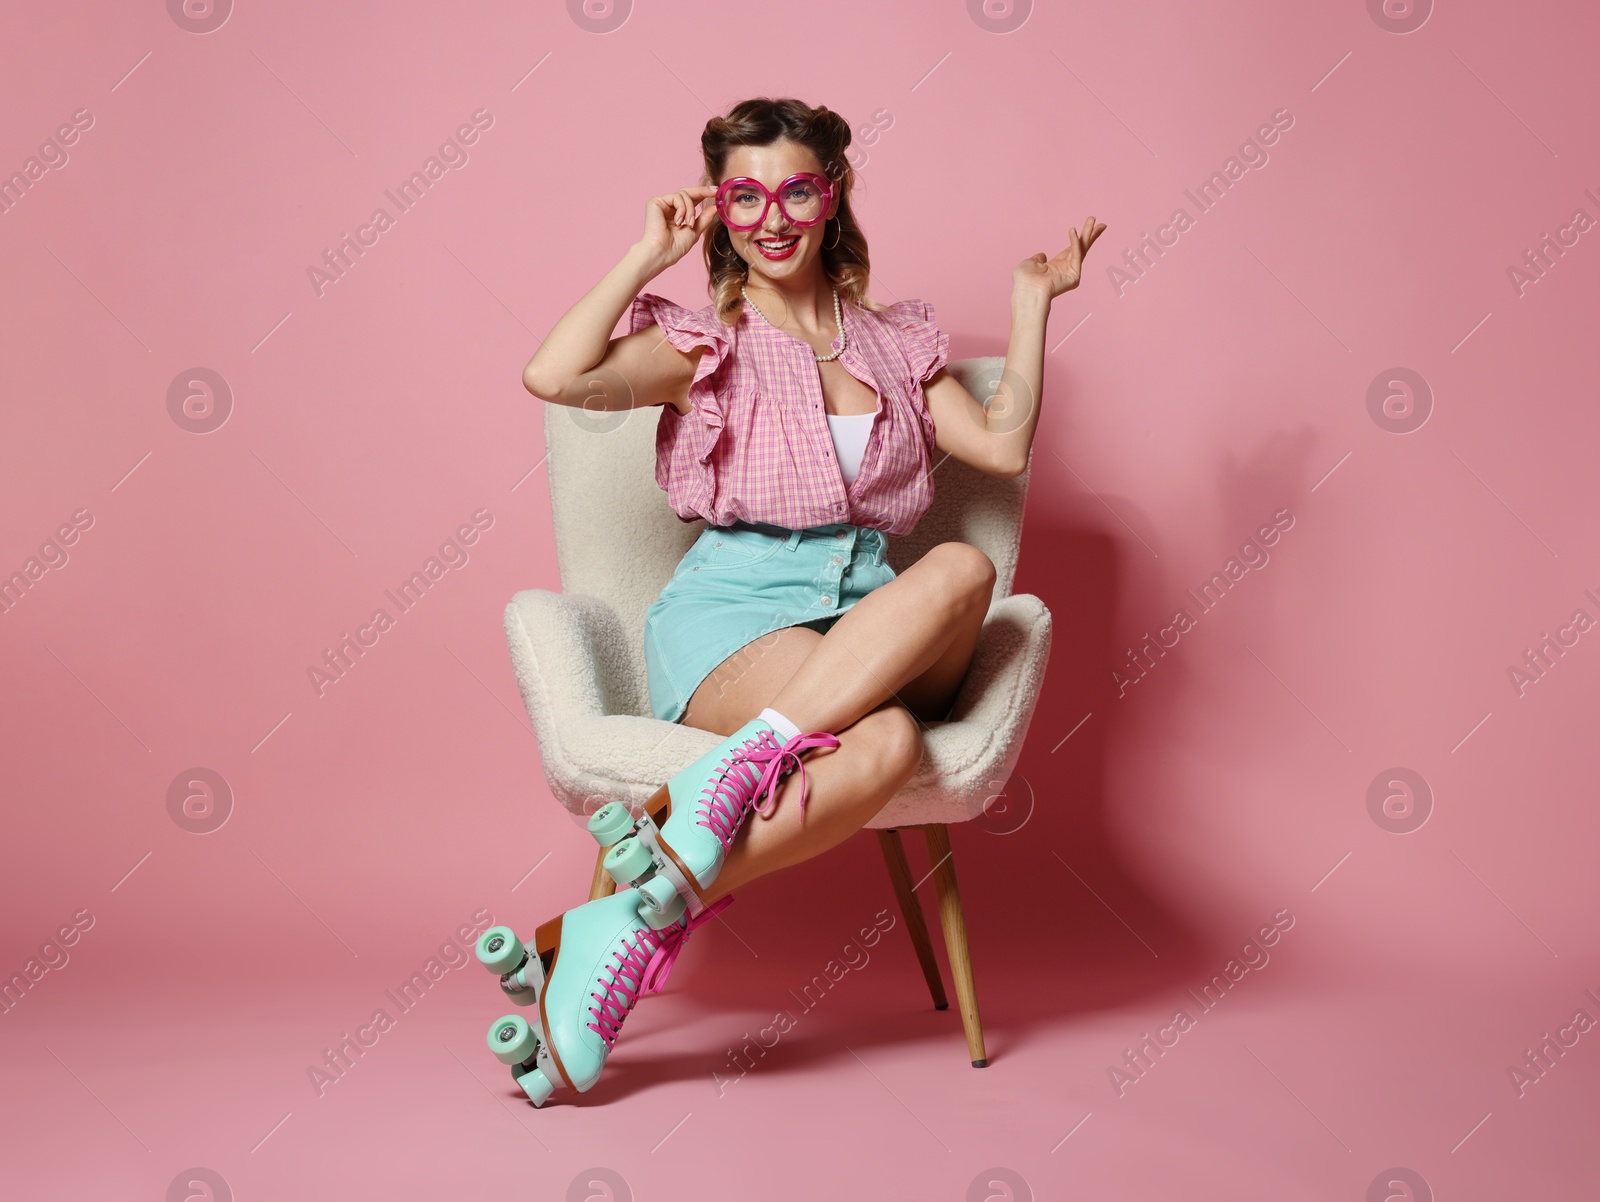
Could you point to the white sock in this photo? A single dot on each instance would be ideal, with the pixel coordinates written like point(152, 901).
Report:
point(779, 723)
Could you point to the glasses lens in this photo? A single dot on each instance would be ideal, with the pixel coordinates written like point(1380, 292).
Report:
point(802, 200)
point(742, 206)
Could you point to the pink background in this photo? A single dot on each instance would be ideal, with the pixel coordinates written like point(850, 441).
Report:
point(1183, 409)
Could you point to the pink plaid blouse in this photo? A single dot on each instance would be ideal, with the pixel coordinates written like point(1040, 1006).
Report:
point(755, 446)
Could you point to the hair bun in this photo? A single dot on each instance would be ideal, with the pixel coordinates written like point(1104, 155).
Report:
point(834, 124)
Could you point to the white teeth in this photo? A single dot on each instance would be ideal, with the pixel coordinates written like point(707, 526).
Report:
point(788, 242)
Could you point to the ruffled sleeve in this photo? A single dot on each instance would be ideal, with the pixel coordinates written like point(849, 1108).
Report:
point(926, 346)
point(686, 329)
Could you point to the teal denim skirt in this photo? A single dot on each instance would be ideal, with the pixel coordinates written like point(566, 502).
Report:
point(739, 583)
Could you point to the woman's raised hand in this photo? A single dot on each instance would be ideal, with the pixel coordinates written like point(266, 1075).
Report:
point(671, 226)
point(1055, 276)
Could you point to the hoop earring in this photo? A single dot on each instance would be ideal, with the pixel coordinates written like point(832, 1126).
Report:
point(837, 230)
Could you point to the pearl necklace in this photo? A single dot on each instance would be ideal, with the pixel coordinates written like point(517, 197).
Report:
point(838, 320)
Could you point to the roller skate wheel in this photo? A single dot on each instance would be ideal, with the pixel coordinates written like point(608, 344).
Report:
point(511, 1039)
point(535, 1084)
point(659, 903)
point(627, 861)
point(610, 823)
point(499, 950)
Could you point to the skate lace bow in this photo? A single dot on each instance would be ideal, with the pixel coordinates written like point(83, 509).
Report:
point(743, 782)
point(642, 967)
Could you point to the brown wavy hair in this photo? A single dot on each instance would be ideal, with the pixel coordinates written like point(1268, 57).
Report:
point(761, 122)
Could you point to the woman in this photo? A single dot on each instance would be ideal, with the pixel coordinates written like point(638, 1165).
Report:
point(801, 420)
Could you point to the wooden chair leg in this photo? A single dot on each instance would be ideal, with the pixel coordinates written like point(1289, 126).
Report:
point(602, 885)
point(955, 936)
point(894, 855)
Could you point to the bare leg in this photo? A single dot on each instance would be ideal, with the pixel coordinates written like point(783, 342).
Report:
point(910, 641)
point(898, 657)
point(845, 786)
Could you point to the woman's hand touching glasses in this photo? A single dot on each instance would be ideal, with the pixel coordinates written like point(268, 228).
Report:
point(671, 226)
point(1052, 277)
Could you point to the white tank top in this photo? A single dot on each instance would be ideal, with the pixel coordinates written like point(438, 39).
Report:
point(850, 433)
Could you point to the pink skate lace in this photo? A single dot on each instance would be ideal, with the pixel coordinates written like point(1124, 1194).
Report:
point(722, 807)
point(642, 968)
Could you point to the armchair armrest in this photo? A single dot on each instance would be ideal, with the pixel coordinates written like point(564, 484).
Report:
point(1012, 649)
point(564, 650)
point(582, 691)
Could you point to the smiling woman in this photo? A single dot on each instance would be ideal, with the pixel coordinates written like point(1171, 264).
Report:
point(800, 421)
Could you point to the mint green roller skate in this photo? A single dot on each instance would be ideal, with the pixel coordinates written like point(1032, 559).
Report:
point(675, 849)
point(583, 975)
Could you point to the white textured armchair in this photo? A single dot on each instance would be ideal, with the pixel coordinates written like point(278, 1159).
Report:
point(579, 654)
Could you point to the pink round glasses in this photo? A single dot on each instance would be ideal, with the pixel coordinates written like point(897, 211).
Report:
point(807, 195)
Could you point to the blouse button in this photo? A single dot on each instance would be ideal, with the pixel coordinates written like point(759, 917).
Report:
point(836, 559)
point(828, 601)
